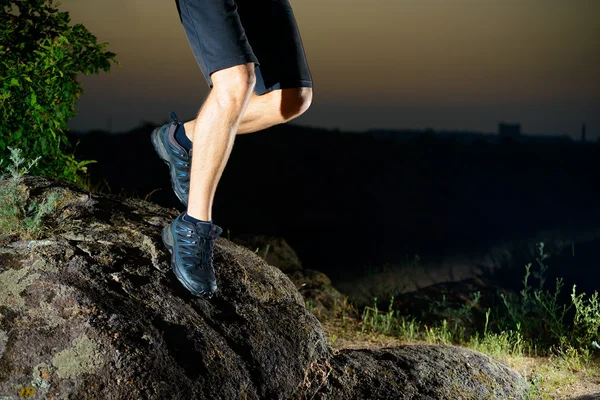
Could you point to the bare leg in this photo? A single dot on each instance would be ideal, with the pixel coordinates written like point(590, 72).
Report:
point(272, 108)
point(214, 133)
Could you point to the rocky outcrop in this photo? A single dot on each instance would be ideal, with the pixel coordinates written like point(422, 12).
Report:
point(92, 311)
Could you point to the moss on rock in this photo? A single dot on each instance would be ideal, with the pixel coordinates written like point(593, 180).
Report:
point(84, 357)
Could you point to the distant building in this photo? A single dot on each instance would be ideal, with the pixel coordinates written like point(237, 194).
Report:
point(509, 130)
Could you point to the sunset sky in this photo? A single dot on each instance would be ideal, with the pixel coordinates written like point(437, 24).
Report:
point(442, 64)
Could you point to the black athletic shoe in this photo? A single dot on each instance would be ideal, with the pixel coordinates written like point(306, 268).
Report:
point(191, 248)
point(175, 156)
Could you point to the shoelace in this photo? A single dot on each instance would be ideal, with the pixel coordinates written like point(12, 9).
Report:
point(182, 168)
point(196, 249)
point(182, 161)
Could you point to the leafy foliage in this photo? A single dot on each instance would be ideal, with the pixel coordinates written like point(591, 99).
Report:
point(41, 56)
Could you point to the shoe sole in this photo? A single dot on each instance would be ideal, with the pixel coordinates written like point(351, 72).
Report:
point(167, 238)
point(160, 149)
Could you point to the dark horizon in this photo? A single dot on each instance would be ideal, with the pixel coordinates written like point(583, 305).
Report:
point(575, 137)
point(575, 133)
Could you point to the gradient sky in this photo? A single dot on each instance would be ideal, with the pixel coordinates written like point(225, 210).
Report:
point(442, 64)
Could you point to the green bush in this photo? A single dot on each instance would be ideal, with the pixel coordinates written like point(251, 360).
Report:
point(41, 56)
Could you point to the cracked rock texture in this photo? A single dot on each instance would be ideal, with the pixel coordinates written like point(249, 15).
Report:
point(93, 311)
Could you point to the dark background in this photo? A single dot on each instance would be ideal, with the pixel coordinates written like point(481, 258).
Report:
point(347, 202)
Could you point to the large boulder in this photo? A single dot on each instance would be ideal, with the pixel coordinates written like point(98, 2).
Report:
point(93, 311)
point(419, 372)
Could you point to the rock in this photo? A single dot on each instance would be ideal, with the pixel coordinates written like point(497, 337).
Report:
point(419, 372)
point(274, 250)
point(316, 288)
point(320, 296)
point(322, 299)
point(93, 311)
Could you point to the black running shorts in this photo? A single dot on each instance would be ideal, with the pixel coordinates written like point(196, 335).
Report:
point(225, 33)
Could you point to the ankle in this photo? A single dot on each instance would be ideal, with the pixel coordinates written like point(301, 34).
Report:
point(189, 129)
point(194, 220)
point(182, 138)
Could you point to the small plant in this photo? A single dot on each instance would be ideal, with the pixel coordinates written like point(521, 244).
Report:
point(538, 311)
point(408, 328)
point(456, 314)
point(344, 310)
point(332, 338)
point(571, 357)
point(18, 215)
point(503, 344)
point(534, 391)
point(266, 252)
point(440, 334)
point(375, 321)
point(310, 305)
point(586, 322)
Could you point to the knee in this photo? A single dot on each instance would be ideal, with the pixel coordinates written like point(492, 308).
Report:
point(294, 102)
point(233, 86)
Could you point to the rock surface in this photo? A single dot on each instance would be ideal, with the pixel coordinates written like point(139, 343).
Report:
point(419, 372)
point(274, 250)
point(93, 311)
point(321, 298)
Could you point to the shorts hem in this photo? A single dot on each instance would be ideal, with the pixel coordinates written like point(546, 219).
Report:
point(230, 62)
point(286, 85)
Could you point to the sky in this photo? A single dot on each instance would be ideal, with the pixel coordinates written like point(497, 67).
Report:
point(395, 64)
